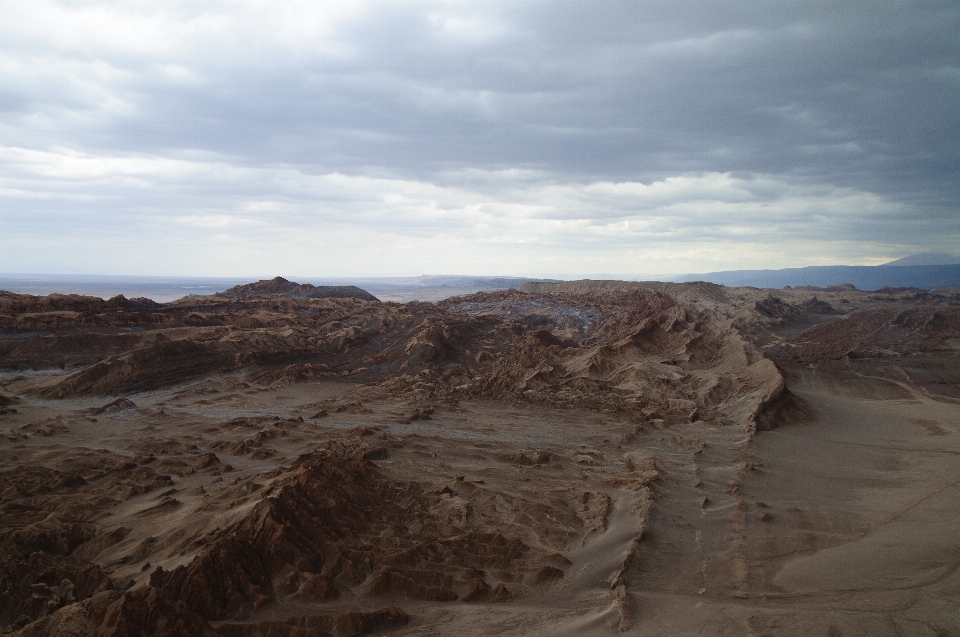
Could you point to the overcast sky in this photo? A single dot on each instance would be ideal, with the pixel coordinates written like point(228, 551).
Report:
point(475, 137)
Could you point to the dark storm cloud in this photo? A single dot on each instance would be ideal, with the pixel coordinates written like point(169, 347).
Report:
point(842, 118)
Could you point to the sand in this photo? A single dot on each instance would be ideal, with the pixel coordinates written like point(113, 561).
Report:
point(586, 458)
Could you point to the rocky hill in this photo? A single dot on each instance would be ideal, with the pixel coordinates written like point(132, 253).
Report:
point(279, 285)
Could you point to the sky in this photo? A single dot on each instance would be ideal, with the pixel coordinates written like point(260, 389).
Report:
point(526, 138)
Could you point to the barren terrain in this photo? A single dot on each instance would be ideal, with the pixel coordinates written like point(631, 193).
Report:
point(581, 458)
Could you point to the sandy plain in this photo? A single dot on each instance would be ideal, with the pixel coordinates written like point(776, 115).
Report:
point(585, 458)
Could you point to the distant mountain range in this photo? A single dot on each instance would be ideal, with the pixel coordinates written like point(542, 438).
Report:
point(923, 271)
point(927, 258)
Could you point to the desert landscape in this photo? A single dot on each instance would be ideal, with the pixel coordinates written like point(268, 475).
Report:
point(575, 458)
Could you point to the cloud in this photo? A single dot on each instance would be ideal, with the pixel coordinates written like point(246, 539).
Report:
point(282, 209)
point(553, 136)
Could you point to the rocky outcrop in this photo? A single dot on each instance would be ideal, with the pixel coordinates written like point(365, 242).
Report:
point(335, 526)
point(279, 285)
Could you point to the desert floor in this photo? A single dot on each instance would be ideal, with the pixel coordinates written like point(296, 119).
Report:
point(536, 462)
